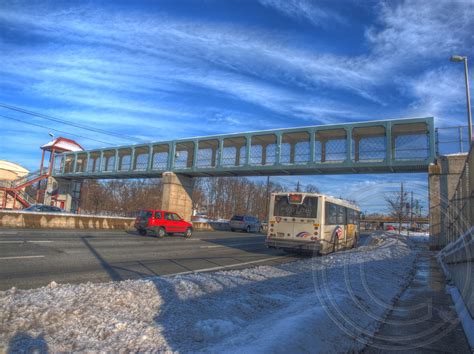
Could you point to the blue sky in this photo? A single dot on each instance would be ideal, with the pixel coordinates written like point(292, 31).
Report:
point(172, 69)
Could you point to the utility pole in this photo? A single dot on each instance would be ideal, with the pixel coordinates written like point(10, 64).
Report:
point(411, 214)
point(267, 200)
point(298, 186)
point(402, 206)
point(459, 58)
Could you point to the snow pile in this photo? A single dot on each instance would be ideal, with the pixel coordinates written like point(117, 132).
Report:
point(330, 303)
point(420, 237)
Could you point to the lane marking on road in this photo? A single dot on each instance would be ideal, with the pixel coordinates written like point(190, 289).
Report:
point(20, 257)
point(233, 244)
point(39, 241)
point(225, 266)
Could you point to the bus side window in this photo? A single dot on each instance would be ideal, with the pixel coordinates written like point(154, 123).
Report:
point(331, 214)
point(350, 216)
point(341, 214)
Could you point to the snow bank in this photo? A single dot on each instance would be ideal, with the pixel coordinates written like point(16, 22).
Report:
point(414, 236)
point(331, 303)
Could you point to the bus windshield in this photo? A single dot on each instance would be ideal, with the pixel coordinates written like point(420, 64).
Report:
point(308, 209)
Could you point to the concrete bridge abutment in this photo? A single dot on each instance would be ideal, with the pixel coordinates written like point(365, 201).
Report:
point(443, 178)
point(177, 194)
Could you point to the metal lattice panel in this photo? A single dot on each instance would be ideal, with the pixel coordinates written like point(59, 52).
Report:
point(229, 155)
point(411, 147)
point(256, 155)
point(181, 159)
point(125, 163)
point(160, 161)
point(302, 152)
point(370, 149)
point(205, 158)
point(285, 152)
point(336, 150)
point(270, 154)
point(141, 162)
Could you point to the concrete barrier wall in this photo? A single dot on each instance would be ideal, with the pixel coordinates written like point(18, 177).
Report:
point(15, 219)
point(26, 220)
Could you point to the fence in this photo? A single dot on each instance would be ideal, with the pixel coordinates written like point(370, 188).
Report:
point(458, 255)
point(452, 140)
point(460, 211)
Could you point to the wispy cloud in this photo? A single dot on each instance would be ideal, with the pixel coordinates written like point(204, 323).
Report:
point(305, 10)
point(439, 92)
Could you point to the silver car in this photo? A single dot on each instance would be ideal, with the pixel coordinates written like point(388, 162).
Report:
point(245, 223)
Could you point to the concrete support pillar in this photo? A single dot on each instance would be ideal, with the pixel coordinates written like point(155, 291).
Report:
point(443, 178)
point(177, 194)
point(62, 193)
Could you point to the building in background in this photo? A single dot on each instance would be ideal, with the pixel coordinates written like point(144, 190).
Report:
point(10, 171)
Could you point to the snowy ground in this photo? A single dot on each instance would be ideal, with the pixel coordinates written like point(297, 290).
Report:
point(414, 236)
point(322, 304)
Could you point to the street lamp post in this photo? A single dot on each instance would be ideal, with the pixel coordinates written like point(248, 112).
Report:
point(458, 58)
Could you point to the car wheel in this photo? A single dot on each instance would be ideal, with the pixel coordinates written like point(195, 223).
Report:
point(160, 232)
point(142, 232)
point(248, 229)
point(189, 232)
point(170, 233)
point(233, 230)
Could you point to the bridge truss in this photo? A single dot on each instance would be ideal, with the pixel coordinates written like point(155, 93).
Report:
point(399, 145)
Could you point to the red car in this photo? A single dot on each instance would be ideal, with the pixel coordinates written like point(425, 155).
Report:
point(162, 223)
point(390, 228)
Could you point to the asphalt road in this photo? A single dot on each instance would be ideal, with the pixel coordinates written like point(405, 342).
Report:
point(34, 258)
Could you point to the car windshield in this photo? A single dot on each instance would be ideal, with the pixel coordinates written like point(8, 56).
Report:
point(237, 218)
point(308, 209)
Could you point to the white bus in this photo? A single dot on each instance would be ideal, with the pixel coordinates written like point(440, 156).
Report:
point(311, 222)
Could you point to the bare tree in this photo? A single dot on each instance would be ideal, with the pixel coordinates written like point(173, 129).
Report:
point(311, 188)
point(396, 203)
point(221, 197)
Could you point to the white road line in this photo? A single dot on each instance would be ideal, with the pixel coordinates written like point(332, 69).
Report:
point(224, 267)
point(20, 257)
point(42, 241)
point(233, 244)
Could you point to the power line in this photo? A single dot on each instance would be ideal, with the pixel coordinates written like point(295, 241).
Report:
point(53, 129)
point(59, 120)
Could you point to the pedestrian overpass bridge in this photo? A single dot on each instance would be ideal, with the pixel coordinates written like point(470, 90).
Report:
point(385, 146)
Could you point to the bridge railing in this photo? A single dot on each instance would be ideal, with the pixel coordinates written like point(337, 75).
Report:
point(357, 147)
